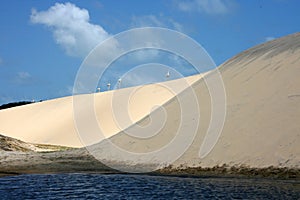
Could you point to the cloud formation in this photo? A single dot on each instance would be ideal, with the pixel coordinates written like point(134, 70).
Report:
point(211, 7)
point(71, 28)
point(73, 31)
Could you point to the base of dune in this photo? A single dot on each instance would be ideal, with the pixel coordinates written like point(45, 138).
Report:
point(80, 161)
point(18, 157)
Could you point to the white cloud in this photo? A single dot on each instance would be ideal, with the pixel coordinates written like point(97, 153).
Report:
point(155, 21)
point(71, 28)
point(73, 31)
point(211, 7)
point(269, 38)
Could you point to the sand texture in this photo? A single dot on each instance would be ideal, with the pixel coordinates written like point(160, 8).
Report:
point(262, 120)
point(52, 121)
point(261, 128)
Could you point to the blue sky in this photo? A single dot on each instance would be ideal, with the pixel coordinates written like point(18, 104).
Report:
point(41, 49)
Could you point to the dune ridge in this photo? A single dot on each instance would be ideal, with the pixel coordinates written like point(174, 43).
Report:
point(261, 127)
point(52, 121)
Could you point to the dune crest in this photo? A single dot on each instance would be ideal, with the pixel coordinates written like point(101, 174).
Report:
point(263, 109)
point(52, 121)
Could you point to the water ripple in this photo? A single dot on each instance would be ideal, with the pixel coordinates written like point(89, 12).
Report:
point(97, 186)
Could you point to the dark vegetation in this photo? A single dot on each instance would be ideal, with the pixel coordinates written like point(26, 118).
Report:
point(234, 171)
point(15, 145)
point(14, 104)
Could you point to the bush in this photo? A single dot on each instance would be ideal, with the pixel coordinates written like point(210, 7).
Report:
point(14, 104)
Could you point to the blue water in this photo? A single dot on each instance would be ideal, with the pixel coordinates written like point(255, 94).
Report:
point(97, 186)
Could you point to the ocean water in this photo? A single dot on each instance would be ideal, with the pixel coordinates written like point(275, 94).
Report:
point(97, 186)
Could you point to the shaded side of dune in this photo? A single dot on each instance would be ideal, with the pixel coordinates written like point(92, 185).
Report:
point(71, 161)
point(261, 127)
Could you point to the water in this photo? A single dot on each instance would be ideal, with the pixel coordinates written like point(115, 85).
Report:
point(97, 186)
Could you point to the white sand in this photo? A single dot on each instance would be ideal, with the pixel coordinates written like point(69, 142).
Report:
point(261, 129)
point(52, 121)
point(263, 110)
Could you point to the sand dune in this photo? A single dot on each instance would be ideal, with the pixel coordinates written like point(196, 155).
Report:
point(262, 123)
point(52, 121)
point(261, 128)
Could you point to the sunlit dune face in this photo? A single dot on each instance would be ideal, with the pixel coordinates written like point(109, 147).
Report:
point(147, 98)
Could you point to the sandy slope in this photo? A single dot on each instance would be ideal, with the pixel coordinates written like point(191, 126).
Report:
point(261, 128)
point(263, 110)
point(52, 121)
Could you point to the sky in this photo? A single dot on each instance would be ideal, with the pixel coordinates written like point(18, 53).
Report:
point(44, 43)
